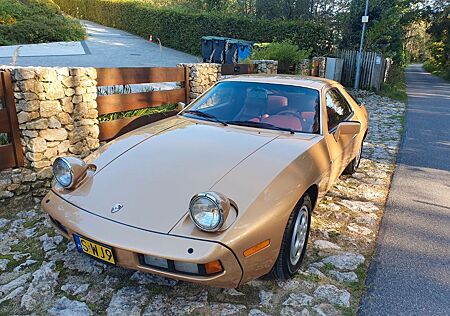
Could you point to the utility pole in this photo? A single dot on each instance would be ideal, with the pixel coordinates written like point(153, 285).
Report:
point(364, 21)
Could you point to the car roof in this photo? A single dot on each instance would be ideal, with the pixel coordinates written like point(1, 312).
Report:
point(294, 80)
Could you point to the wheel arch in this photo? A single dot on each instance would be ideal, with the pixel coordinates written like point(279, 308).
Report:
point(313, 192)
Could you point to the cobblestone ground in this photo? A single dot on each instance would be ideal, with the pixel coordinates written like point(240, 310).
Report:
point(41, 273)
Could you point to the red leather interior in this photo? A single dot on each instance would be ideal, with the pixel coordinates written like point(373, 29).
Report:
point(275, 103)
point(308, 115)
point(285, 121)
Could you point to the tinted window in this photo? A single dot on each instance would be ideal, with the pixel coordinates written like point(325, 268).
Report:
point(338, 109)
point(262, 104)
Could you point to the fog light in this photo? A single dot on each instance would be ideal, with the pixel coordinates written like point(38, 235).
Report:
point(156, 262)
point(187, 267)
point(213, 267)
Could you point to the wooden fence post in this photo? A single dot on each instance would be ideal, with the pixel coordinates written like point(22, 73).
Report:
point(12, 115)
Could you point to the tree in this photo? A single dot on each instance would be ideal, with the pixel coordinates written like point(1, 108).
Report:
point(388, 23)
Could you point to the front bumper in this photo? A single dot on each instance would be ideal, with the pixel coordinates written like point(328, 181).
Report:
point(130, 243)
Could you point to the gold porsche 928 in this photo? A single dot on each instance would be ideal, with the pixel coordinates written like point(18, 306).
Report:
point(223, 192)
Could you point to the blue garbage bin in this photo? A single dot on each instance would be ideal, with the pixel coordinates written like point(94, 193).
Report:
point(237, 51)
point(244, 51)
point(222, 50)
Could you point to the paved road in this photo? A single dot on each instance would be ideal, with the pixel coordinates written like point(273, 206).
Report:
point(105, 47)
point(410, 274)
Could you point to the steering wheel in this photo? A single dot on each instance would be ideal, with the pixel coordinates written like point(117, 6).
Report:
point(291, 113)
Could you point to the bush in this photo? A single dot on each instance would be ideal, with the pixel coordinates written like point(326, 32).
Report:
point(438, 62)
point(441, 71)
point(36, 21)
point(284, 52)
point(395, 85)
point(182, 30)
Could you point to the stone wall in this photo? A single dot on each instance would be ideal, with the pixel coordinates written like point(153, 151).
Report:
point(319, 66)
point(269, 67)
point(304, 67)
point(57, 115)
point(201, 77)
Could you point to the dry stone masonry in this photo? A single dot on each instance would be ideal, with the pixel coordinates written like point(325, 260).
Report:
point(57, 115)
point(269, 67)
point(201, 77)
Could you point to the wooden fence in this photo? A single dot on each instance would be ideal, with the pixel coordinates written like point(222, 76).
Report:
point(113, 103)
point(11, 154)
point(373, 69)
point(237, 69)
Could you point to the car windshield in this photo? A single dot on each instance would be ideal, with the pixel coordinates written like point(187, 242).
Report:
point(261, 105)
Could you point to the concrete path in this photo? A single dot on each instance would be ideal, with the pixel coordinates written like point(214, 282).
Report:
point(410, 274)
point(104, 47)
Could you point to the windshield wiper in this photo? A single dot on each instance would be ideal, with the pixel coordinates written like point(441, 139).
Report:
point(205, 115)
point(261, 125)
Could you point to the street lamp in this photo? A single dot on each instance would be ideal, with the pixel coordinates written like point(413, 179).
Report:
point(364, 21)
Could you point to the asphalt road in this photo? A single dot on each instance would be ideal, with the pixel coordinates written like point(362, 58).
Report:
point(410, 273)
point(103, 47)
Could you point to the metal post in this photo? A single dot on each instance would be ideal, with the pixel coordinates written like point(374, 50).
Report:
point(358, 62)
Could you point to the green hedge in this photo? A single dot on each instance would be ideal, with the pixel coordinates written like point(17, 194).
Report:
point(36, 21)
point(182, 30)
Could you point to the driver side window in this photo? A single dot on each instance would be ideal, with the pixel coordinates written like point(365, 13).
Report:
point(338, 110)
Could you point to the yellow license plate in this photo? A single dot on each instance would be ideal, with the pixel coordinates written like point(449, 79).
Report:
point(94, 249)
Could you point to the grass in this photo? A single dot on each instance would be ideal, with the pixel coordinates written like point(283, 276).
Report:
point(125, 89)
point(4, 139)
point(443, 73)
point(36, 21)
point(136, 113)
point(395, 86)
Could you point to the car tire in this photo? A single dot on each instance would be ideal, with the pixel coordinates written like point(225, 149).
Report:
point(354, 164)
point(291, 255)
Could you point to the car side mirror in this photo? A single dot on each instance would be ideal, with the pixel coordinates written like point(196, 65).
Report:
point(347, 128)
point(181, 106)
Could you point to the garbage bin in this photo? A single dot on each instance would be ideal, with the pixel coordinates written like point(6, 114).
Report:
point(207, 48)
point(231, 51)
point(213, 49)
point(218, 53)
point(223, 50)
point(236, 51)
point(245, 50)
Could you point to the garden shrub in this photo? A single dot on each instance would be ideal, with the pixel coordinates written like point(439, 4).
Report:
point(284, 52)
point(36, 21)
point(183, 30)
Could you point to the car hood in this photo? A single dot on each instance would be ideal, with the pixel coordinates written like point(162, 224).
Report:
point(154, 171)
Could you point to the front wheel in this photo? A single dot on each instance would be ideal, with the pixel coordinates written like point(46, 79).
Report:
point(295, 239)
point(354, 164)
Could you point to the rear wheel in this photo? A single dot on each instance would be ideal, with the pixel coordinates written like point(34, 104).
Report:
point(295, 239)
point(354, 164)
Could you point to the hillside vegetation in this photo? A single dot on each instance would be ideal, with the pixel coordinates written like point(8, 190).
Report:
point(36, 21)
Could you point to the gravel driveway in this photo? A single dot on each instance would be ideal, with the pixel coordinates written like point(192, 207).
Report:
point(43, 273)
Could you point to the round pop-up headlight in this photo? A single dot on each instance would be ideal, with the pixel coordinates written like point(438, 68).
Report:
point(70, 171)
point(63, 173)
point(209, 210)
